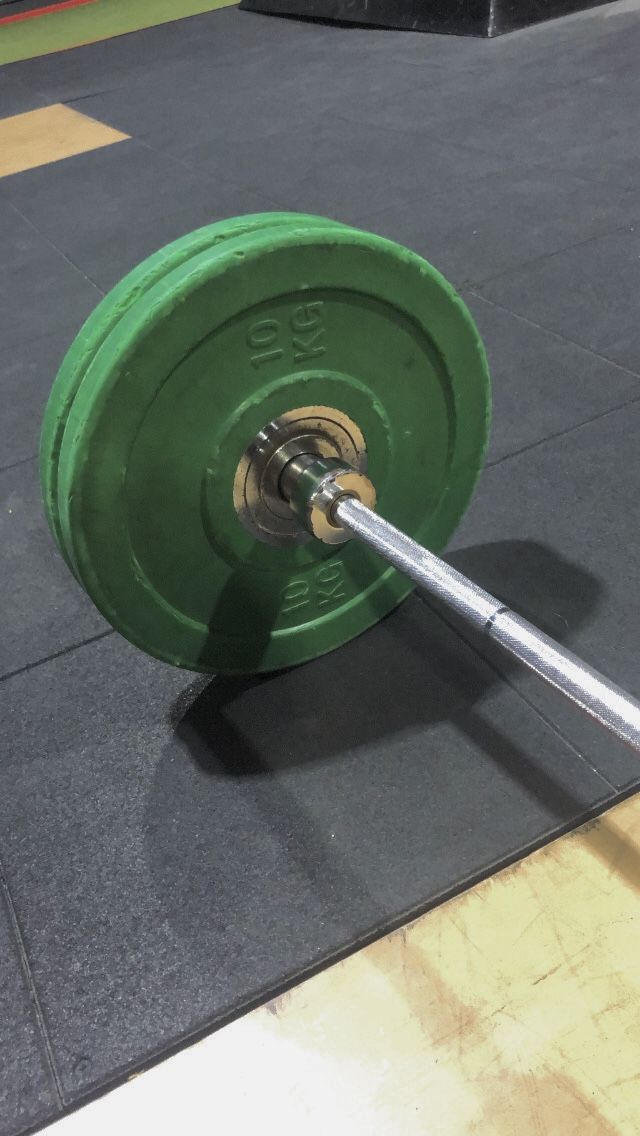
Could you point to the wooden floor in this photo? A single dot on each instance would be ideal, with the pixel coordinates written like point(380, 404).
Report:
point(513, 1010)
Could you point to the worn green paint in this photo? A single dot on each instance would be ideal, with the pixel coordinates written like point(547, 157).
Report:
point(177, 375)
point(105, 317)
point(71, 27)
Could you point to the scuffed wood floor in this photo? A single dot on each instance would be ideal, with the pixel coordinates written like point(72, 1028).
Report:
point(513, 1010)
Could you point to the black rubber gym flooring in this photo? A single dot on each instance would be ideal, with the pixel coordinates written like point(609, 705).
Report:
point(176, 849)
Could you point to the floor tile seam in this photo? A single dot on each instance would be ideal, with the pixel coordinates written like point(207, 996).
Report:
point(551, 331)
point(206, 177)
point(18, 462)
point(48, 240)
point(559, 434)
point(630, 224)
point(34, 998)
point(56, 655)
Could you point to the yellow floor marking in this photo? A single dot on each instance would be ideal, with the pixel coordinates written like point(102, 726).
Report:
point(512, 1010)
point(46, 135)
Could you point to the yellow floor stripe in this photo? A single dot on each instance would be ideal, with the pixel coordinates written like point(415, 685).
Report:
point(46, 135)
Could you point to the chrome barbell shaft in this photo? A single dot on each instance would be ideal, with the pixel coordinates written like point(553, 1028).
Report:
point(617, 711)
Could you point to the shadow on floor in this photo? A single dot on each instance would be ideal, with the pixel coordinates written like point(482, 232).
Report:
point(360, 694)
point(408, 699)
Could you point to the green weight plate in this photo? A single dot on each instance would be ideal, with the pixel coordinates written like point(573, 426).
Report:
point(268, 321)
point(104, 318)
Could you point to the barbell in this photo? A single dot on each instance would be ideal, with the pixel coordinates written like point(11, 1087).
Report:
point(234, 420)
